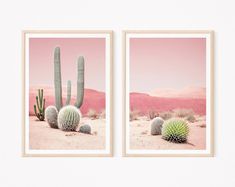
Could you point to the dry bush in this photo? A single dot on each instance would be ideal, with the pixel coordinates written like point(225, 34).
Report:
point(103, 114)
point(183, 113)
point(166, 115)
point(191, 118)
point(152, 114)
point(92, 114)
point(134, 115)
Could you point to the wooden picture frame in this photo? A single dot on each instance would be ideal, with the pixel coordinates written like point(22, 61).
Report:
point(107, 39)
point(208, 35)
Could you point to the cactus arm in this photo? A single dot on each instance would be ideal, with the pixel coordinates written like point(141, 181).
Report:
point(37, 102)
point(57, 79)
point(43, 107)
point(68, 92)
point(80, 81)
point(35, 110)
point(41, 100)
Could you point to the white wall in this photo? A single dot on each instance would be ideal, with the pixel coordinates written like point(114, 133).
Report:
point(116, 15)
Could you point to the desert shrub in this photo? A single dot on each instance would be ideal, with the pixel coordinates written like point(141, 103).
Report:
point(69, 118)
point(134, 115)
point(152, 114)
point(182, 113)
point(175, 130)
point(103, 114)
point(92, 114)
point(191, 118)
point(166, 115)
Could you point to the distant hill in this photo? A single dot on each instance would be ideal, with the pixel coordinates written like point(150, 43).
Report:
point(144, 102)
point(92, 99)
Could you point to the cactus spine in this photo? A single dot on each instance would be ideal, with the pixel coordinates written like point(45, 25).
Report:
point(39, 110)
point(80, 81)
point(57, 79)
point(68, 92)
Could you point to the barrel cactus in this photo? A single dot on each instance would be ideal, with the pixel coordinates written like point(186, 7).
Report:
point(51, 114)
point(175, 130)
point(85, 129)
point(69, 118)
point(156, 126)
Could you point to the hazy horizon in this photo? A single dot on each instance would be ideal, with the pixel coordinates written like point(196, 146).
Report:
point(167, 63)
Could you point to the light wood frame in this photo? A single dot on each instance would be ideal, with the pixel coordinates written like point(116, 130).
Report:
point(211, 33)
point(110, 33)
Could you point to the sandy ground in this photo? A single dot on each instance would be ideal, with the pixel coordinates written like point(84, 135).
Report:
point(140, 137)
point(41, 136)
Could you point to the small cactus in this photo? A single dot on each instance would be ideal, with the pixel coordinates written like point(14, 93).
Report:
point(51, 114)
point(39, 110)
point(156, 126)
point(175, 130)
point(69, 118)
point(85, 129)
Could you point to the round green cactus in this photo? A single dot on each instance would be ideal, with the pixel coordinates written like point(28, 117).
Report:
point(69, 118)
point(175, 130)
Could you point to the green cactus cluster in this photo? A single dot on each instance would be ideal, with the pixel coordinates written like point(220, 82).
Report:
point(66, 117)
point(39, 108)
point(175, 130)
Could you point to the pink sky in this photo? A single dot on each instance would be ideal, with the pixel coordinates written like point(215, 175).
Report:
point(167, 63)
point(41, 63)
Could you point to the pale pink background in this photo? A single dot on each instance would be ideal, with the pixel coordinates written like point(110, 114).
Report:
point(168, 64)
point(41, 65)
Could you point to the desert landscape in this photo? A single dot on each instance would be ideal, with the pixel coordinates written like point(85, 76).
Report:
point(69, 117)
point(188, 104)
point(141, 138)
point(45, 138)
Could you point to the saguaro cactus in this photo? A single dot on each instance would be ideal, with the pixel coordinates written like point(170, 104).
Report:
point(80, 81)
point(57, 79)
point(39, 110)
point(68, 92)
point(58, 83)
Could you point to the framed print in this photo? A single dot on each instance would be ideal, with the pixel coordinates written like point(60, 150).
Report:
point(168, 93)
point(67, 93)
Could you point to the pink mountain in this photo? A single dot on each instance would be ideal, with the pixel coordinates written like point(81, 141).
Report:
point(92, 99)
point(144, 103)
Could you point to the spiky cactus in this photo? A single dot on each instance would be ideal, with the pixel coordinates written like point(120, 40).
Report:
point(175, 130)
point(69, 118)
point(86, 129)
point(156, 126)
point(80, 81)
point(51, 114)
point(68, 92)
point(39, 108)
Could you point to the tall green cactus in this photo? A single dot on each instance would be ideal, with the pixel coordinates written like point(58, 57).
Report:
point(68, 92)
point(39, 110)
point(57, 79)
point(80, 82)
point(58, 83)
